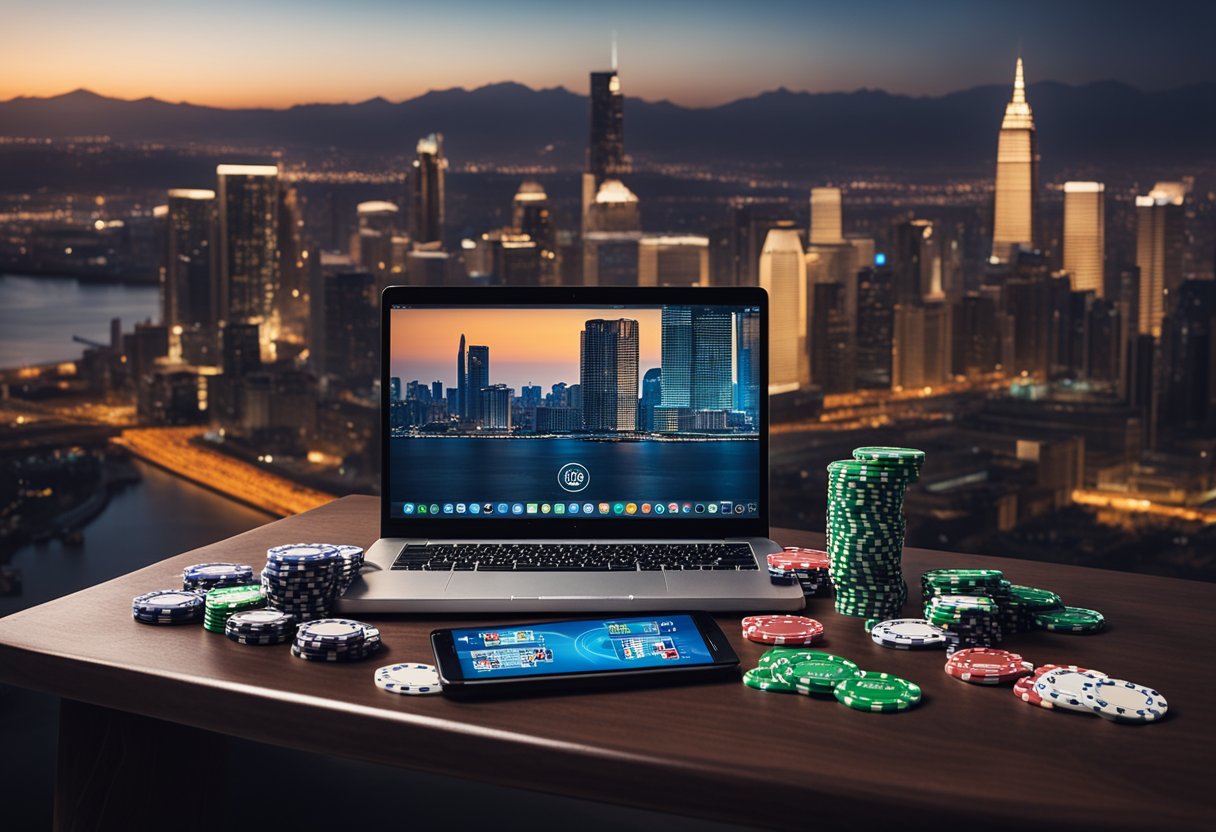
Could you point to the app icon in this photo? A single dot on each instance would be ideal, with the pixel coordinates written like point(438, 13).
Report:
point(531, 509)
point(727, 507)
point(751, 508)
point(631, 508)
point(573, 476)
point(517, 508)
point(474, 508)
point(618, 508)
point(699, 508)
point(686, 508)
point(502, 508)
point(407, 508)
point(448, 508)
point(645, 508)
point(422, 508)
point(659, 508)
point(603, 508)
point(559, 508)
point(738, 508)
point(460, 508)
point(674, 508)
point(712, 508)
point(434, 508)
point(573, 508)
point(487, 508)
point(588, 508)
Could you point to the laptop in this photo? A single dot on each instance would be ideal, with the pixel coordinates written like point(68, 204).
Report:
point(557, 449)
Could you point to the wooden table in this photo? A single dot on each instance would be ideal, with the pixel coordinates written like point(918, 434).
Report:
point(718, 751)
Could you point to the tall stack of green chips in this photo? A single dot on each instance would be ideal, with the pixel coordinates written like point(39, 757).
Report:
point(224, 602)
point(865, 529)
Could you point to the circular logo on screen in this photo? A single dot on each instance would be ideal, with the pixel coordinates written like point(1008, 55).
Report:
point(573, 476)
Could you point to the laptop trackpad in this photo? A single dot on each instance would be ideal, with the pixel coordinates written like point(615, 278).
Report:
point(532, 585)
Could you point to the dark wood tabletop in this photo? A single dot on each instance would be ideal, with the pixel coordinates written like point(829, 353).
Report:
point(968, 754)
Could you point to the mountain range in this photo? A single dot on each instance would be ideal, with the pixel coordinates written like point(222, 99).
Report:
point(1102, 124)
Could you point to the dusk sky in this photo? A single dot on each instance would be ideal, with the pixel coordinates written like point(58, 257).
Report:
point(282, 52)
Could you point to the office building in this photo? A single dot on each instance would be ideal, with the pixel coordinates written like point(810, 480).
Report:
point(921, 347)
point(1085, 236)
point(608, 375)
point(830, 339)
point(1017, 177)
point(1160, 244)
point(652, 397)
point(494, 406)
point(352, 345)
point(427, 191)
point(372, 245)
point(429, 268)
point(783, 275)
point(606, 142)
point(614, 208)
point(671, 260)
point(710, 383)
point(976, 329)
point(531, 215)
point(827, 227)
point(747, 365)
point(248, 241)
point(460, 406)
point(1189, 351)
point(517, 260)
point(189, 296)
point(675, 345)
point(239, 349)
point(610, 258)
point(394, 389)
point(477, 377)
point(917, 262)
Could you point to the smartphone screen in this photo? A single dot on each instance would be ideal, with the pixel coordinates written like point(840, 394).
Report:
point(583, 646)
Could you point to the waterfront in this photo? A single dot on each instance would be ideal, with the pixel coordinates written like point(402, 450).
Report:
point(39, 315)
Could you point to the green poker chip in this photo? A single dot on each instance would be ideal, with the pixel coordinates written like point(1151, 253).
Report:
point(878, 693)
point(1070, 620)
point(820, 673)
point(911, 456)
point(760, 678)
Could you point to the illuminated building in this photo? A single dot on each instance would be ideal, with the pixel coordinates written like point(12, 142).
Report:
point(1160, 241)
point(427, 191)
point(747, 364)
point(696, 356)
point(291, 300)
point(189, 296)
point(875, 328)
point(517, 260)
point(918, 262)
point(372, 244)
point(477, 377)
point(610, 258)
point(783, 275)
point(494, 405)
point(1085, 235)
point(826, 224)
point(248, 235)
point(668, 260)
point(1017, 177)
point(352, 348)
point(830, 339)
point(615, 208)
point(976, 328)
point(606, 142)
point(608, 374)
point(652, 397)
point(1189, 351)
point(530, 214)
point(921, 347)
point(428, 268)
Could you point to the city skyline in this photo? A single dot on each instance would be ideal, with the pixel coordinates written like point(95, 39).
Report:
point(913, 50)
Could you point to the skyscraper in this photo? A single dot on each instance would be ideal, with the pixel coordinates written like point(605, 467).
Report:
point(478, 378)
point(783, 274)
point(190, 259)
point(530, 214)
point(430, 167)
point(827, 227)
point(462, 398)
point(352, 349)
point(830, 340)
point(606, 145)
point(1085, 235)
point(918, 262)
point(1017, 176)
point(494, 405)
point(248, 235)
point(875, 327)
point(710, 379)
point(677, 355)
point(747, 360)
point(673, 260)
point(652, 397)
point(1160, 242)
point(608, 375)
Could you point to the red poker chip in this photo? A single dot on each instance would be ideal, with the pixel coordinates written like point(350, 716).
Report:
point(986, 661)
point(793, 557)
point(965, 675)
point(781, 629)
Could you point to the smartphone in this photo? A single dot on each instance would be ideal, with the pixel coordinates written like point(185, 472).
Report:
point(584, 652)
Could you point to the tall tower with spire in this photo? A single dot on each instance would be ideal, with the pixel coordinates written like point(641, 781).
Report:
point(1017, 176)
point(606, 143)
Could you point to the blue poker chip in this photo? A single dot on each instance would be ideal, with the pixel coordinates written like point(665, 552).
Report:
point(409, 679)
point(168, 602)
point(297, 553)
point(332, 631)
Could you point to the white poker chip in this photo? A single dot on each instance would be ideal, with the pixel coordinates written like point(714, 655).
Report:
point(1065, 688)
point(908, 632)
point(1121, 701)
point(409, 679)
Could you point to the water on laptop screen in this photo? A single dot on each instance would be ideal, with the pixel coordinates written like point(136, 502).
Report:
point(644, 412)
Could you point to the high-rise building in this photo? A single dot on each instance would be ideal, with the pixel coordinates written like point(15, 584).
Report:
point(735, 247)
point(652, 397)
point(827, 227)
point(783, 274)
point(710, 384)
point(830, 339)
point(372, 244)
point(875, 327)
point(494, 405)
point(1189, 349)
point(671, 260)
point(189, 295)
point(427, 191)
point(291, 308)
point(918, 262)
point(352, 349)
point(394, 389)
point(610, 258)
point(462, 382)
point(747, 364)
point(240, 350)
point(1160, 245)
point(675, 345)
point(248, 242)
point(921, 350)
point(1085, 235)
point(977, 334)
point(477, 379)
point(530, 214)
point(608, 375)
point(1017, 177)
point(606, 144)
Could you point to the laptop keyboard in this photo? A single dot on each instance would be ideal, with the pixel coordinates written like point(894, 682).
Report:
point(575, 557)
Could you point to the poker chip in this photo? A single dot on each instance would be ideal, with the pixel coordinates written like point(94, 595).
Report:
point(304, 578)
point(761, 678)
point(818, 673)
point(1070, 620)
point(782, 629)
point(335, 640)
point(223, 602)
point(264, 626)
point(878, 693)
point(1121, 701)
point(168, 606)
point(1063, 687)
point(986, 666)
point(907, 634)
point(409, 679)
point(206, 576)
point(795, 564)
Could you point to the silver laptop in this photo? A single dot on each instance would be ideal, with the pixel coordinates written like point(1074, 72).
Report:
point(572, 449)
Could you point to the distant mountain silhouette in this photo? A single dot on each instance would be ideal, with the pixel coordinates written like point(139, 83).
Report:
point(1101, 123)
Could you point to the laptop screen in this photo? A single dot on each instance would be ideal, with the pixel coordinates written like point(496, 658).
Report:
point(574, 412)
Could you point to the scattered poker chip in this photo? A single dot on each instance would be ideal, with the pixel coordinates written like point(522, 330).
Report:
point(1025, 688)
point(760, 678)
point(907, 634)
point(1121, 701)
point(1063, 687)
point(409, 679)
point(986, 666)
point(819, 673)
point(782, 629)
point(1070, 620)
point(878, 693)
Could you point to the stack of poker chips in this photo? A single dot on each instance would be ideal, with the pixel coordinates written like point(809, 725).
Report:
point(782, 629)
point(986, 666)
point(1070, 620)
point(807, 567)
point(1026, 602)
point(989, 583)
point(335, 640)
point(168, 606)
point(907, 634)
point(226, 601)
point(865, 529)
point(967, 620)
point(302, 579)
point(263, 626)
point(350, 562)
point(207, 576)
